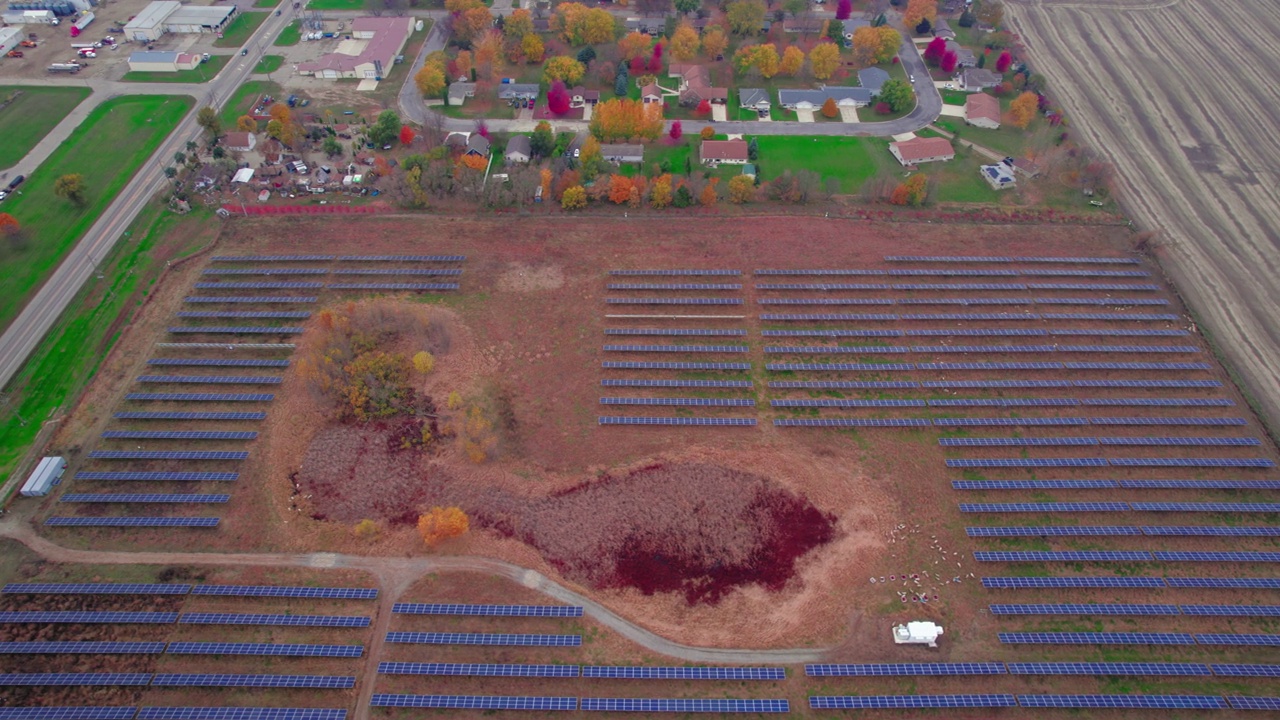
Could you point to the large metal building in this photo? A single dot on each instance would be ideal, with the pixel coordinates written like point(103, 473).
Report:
point(170, 16)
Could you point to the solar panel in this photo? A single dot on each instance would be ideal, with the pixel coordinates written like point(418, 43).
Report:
point(1199, 421)
point(845, 384)
point(195, 522)
point(676, 332)
point(1099, 287)
point(678, 383)
point(972, 316)
point(1027, 462)
point(1202, 484)
point(212, 379)
point(1206, 507)
point(959, 286)
point(1083, 609)
point(991, 366)
point(1102, 301)
point(1240, 640)
point(983, 384)
point(271, 258)
point(283, 591)
point(277, 314)
point(678, 402)
point(821, 286)
point(897, 702)
point(695, 287)
point(238, 329)
point(159, 476)
point(1096, 638)
point(834, 350)
point(249, 299)
point(1225, 583)
point(1033, 484)
point(825, 301)
point(998, 259)
point(627, 420)
point(820, 272)
point(952, 272)
point(74, 679)
point(830, 367)
point(1254, 703)
point(96, 589)
point(1232, 610)
point(402, 258)
point(965, 301)
point(673, 301)
point(393, 286)
point(317, 682)
point(90, 617)
point(628, 365)
point(1024, 583)
point(218, 362)
point(1148, 383)
point(983, 348)
point(1107, 668)
point(1136, 366)
point(1161, 402)
point(397, 271)
point(1006, 402)
point(1182, 441)
point(981, 332)
point(1018, 442)
point(691, 273)
point(642, 672)
point(487, 610)
point(329, 621)
point(1194, 462)
point(685, 705)
point(1120, 333)
point(477, 669)
point(285, 285)
point(1246, 670)
point(167, 455)
point(190, 416)
point(1085, 273)
point(203, 397)
point(847, 403)
point(239, 713)
point(904, 669)
point(474, 702)
point(1044, 507)
point(73, 712)
point(1179, 702)
point(840, 317)
point(1219, 557)
point(852, 422)
point(1053, 531)
point(265, 649)
point(438, 638)
point(1136, 317)
point(1062, 556)
point(180, 434)
point(80, 648)
point(1211, 531)
point(678, 348)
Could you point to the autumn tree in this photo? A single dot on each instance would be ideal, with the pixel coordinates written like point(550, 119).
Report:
point(918, 10)
point(633, 45)
point(677, 130)
point(423, 362)
point(430, 80)
point(580, 25)
point(246, 123)
point(1023, 110)
point(624, 119)
point(1004, 61)
point(366, 530)
point(563, 68)
point(440, 524)
point(532, 48)
point(742, 189)
point(469, 19)
point(824, 59)
point(558, 98)
point(708, 197)
point(9, 226)
point(829, 109)
point(897, 94)
point(844, 9)
point(934, 51)
point(488, 54)
point(912, 192)
point(762, 59)
point(685, 42)
point(574, 198)
point(660, 192)
point(866, 45)
point(990, 12)
point(714, 42)
point(890, 41)
point(462, 64)
point(792, 61)
point(707, 132)
point(407, 135)
point(949, 61)
point(620, 188)
point(208, 119)
point(71, 187)
point(745, 16)
point(517, 25)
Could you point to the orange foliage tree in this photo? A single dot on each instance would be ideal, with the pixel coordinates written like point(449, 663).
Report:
point(442, 523)
point(912, 192)
point(709, 197)
point(475, 162)
point(829, 109)
point(620, 188)
point(625, 119)
point(8, 225)
point(1023, 109)
point(633, 45)
point(918, 10)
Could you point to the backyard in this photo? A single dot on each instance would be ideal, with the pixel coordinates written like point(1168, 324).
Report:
point(851, 160)
point(204, 72)
point(106, 149)
point(29, 113)
point(238, 32)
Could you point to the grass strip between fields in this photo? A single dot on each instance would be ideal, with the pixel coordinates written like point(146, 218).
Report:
point(239, 30)
point(291, 35)
point(204, 72)
point(29, 115)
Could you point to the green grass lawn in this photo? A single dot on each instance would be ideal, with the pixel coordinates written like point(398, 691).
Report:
point(239, 30)
point(852, 160)
point(335, 5)
point(241, 101)
point(31, 115)
point(958, 181)
point(204, 72)
point(265, 3)
point(107, 148)
point(268, 64)
point(291, 35)
point(953, 97)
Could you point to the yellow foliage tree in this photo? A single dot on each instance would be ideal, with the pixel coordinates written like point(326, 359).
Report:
point(455, 401)
point(463, 63)
point(518, 25)
point(742, 189)
point(792, 61)
point(424, 362)
point(563, 68)
point(580, 25)
point(366, 530)
point(890, 41)
point(1023, 109)
point(824, 58)
point(633, 45)
point(714, 41)
point(574, 198)
point(590, 149)
point(866, 45)
point(246, 123)
point(488, 54)
point(684, 42)
point(442, 523)
point(532, 48)
point(918, 10)
point(430, 80)
point(546, 182)
point(624, 119)
point(470, 23)
point(660, 193)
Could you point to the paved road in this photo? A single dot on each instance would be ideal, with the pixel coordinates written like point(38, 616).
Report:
point(43, 310)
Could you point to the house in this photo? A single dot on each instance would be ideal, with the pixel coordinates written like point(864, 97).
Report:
point(977, 79)
point(922, 150)
point(695, 85)
point(158, 61)
point(460, 91)
point(581, 97)
point(239, 141)
point(815, 99)
point(998, 176)
point(519, 149)
point(518, 91)
point(726, 152)
point(942, 29)
point(754, 99)
point(982, 110)
point(622, 153)
point(872, 78)
point(375, 43)
point(964, 56)
point(809, 26)
point(651, 93)
point(1026, 166)
point(477, 144)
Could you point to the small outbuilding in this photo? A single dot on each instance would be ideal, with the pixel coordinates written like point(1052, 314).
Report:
point(240, 141)
point(999, 176)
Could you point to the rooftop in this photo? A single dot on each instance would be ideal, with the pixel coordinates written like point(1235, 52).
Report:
point(919, 148)
point(981, 105)
point(154, 14)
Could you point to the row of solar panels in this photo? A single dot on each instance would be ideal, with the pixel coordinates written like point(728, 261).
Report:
point(273, 591)
point(958, 272)
point(1017, 556)
point(986, 384)
point(1073, 507)
point(1198, 583)
point(1083, 441)
point(962, 317)
point(1113, 484)
point(950, 332)
point(1099, 669)
point(1078, 260)
point(623, 672)
point(317, 682)
point(994, 462)
point(115, 712)
point(1015, 402)
point(199, 618)
point(1125, 530)
point(822, 287)
point(1139, 638)
point(339, 258)
point(903, 349)
point(1251, 463)
point(1166, 702)
point(902, 367)
point(336, 271)
point(511, 702)
point(1135, 609)
point(179, 648)
point(1118, 302)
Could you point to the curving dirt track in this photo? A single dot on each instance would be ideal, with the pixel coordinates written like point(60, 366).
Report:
point(1182, 95)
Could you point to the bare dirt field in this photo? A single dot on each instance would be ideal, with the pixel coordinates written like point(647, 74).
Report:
point(1180, 96)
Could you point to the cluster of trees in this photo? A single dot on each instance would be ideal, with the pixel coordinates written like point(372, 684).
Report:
point(1023, 109)
point(442, 523)
point(920, 14)
point(661, 191)
point(764, 61)
point(468, 20)
point(430, 79)
point(875, 45)
point(914, 191)
point(746, 17)
point(623, 119)
point(579, 25)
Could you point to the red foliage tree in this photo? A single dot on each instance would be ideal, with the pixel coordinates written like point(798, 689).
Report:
point(657, 51)
point(1003, 89)
point(844, 9)
point(1004, 61)
point(655, 64)
point(637, 66)
point(482, 130)
point(558, 98)
point(949, 61)
point(882, 108)
point(934, 51)
point(406, 135)
point(676, 130)
point(704, 108)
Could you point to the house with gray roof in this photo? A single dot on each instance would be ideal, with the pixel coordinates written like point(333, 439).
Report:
point(754, 99)
point(977, 79)
point(619, 154)
point(518, 91)
point(815, 99)
point(942, 29)
point(460, 91)
point(872, 78)
point(519, 149)
point(964, 56)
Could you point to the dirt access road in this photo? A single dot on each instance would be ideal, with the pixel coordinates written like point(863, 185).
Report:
point(1181, 97)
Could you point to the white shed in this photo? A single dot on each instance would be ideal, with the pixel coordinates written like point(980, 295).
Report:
point(44, 476)
point(917, 633)
point(9, 39)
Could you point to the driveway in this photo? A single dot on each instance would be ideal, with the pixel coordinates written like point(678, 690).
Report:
point(804, 116)
point(848, 114)
point(953, 110)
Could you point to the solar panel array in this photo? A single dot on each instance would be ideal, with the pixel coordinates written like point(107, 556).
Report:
point(159, 476)
point(218, 362)
point(627, 365)
point(202, 397)
point(140, 415)
point(96, 589)
point(1025, 583)
point(74, 679)
point(847, 403)
point(674, 286)
point(1171, 702)
point(844, 384)
point(329, 621)
point(265, 271)
point(167, 455)
point(852, 422)
point(397, 271)
point(673, 301)
point(642, 672)
point(685, 705)
point(898, 702)
point(132, 522)
point(81, 648)
point(726, 422)
point(317, 682)
point(403, 258)
point(508, 639)
point(1107, 668)
point(1083, 609)
point(1096, 638)
point(93, 617)
point(144, 498)
point(75, 712)
point(680, 402)
point(272, 258)
point(904, 669)
point(829, 367)
point(1021, 259)
point(677, 383)
point(239, 713)
point(282, 591)
point(265, 649)
point(180, 434)
point(249, 299)
point(691, 273)
point(212, 379)
point(487, 610)
point(1052, 531)
point(678, 348)
point(287, 285)
point(675, 332)
point(238, 329)
point(475, 702)
point(477, 669)
point(1032, 484)
point(393, 286)
point(1062, 556)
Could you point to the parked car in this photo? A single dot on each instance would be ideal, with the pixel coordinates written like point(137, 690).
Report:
point(244, 51)
point(16, 181)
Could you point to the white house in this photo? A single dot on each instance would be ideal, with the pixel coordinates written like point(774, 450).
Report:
point(162, 61)
point(815, 99)
point(240, 141)
point(519, 149)
point(622, 153)
point(999, 176)
point(982, 110)
point(148, 25)
point(169, 16)
point(922, 150)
